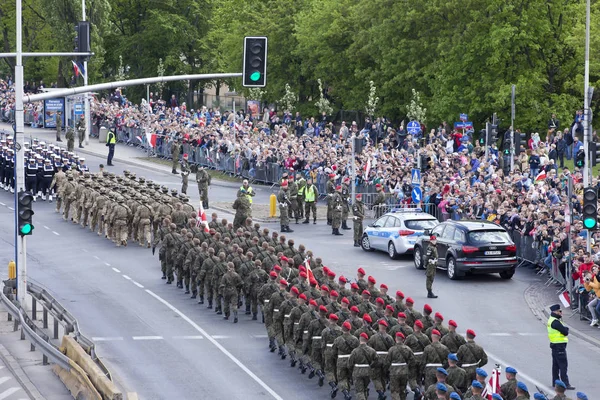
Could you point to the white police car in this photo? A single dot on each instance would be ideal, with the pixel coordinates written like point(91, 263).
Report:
point(396, 232)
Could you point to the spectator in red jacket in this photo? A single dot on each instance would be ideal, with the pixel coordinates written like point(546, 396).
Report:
point(587, 265)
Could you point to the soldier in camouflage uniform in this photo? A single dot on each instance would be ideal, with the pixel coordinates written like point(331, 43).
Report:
point(230, 285)
point(58, 182)
point(360, 362)
point(336, 202)
point(358, 212)
point(293, 191)
point(175, 149)
point(143, 220)
point(218, 271)
point(331, 332)
point(301, 182)
point(431, 259)
point(203, 180)
point(68, 194)
point(381, 342)
point(379, 202)
point(398, 362)
point(243, 209)
point(343, 346)
point(330, 190)
point(345, 203)
point(284, 207)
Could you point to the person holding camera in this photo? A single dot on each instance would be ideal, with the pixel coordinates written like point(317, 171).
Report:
point(592, 284)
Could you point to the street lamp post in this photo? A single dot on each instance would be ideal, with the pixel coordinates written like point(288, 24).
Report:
point(86, 100)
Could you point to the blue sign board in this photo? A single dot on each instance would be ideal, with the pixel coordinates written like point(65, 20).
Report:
point(415, 177)
point(51, 108)
point(413, 127)
point(417, 195)
point(466, 125)
point(463, 117)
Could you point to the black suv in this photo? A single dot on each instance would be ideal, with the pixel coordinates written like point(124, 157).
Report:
point(470, 247)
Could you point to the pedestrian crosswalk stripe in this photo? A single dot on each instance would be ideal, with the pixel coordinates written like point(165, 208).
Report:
point(8, 392)
point(4, 379)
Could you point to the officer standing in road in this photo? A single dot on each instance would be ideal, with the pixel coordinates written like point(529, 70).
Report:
point(81, 130)
point(558, 336)
point(431, 259)
point(70, 136)
point(175, 148)
point(58, 126)
point(284, 207)
point(111, 140)
point(301, 182)
point(379, 203)
point(330, 191)
point(345, 203)
point(336, 202)
point(242, 208)
point(358, 210)
point(185, 172)
point(310, 195)
point(203, 181)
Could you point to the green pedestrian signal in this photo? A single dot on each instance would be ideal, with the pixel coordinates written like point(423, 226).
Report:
point(255, 76)
point(589, 223)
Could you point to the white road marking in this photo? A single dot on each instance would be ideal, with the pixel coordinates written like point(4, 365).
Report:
point(260, 336)
point(523, 375)
point(106, 339)
point(96, 257)
point(189, 337)
point(127, 277)
point(10, 208)
point(147, 338)
point(218, 337)
point(1, 367)
point(530, 334)
point(138, 284)
point(56, 233)
point(46, 227)
point(8, 392)
point(2, 204)
point(499, 334)
point(217, 345)
point(4, 379)
point(116, 270)
point(84, 250)
point(107, 264)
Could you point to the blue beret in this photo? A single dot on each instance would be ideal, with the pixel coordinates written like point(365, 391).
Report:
point(539, 396)
point(442, 371)
point(522, 386)
point(481, 372)
point(455, 396)
point(496, 396)
point(452, 356)
point(580, 396)
point(511, 370)
point(560, 383)
point(477, 385)
point(440, 386)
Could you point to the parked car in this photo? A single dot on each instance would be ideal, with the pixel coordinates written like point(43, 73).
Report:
point(470, 247)
point(397, 232)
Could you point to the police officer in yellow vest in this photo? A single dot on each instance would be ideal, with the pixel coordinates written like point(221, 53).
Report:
point(311, 195)
point(249, 191)
point(557, 334)
point(111, 140)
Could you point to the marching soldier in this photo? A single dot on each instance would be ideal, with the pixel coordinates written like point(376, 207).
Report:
point(68, 195)
point(342, 348)
point(358, 212)
point(435, 356)
point(203, 180)
point(471, 356)
point(381, 343)
point(289, 327)
point(457, 377)
point(175, 149)
point(453, 340)
point(360, 362)
point(143, 220)
point(242, 207)
point(46, 180)
point(231, 283)
point(398, 362)
point(328, 336)
point(417, 343)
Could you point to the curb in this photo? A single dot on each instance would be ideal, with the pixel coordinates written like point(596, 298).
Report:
point(13, 365)
point(541, 312)
point(255, 219)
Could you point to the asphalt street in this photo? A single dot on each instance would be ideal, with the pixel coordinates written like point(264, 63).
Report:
point(161, 344)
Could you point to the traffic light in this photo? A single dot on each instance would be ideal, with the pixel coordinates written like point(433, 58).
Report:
point(580, 158)
point(25, 213)
point(491, 133)
point(519, 139)
point(590, 208)
point(82, 38)
point(594, 153)
point(255, 62)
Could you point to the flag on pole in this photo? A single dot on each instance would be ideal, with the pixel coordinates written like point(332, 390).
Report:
point(78, 69)
point(541, 176)
point(201, 218)
point(493, 384)
point(367, 169)
point(309, 271)
point(151, 137)
point(565, 299)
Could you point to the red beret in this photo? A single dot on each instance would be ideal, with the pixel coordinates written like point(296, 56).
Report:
point(302, 296)
point(359, 196)
point(419, 323)
point(333, 317)
point(331, 274)
point(332, 175)
point(323, 309)
point(367, 318)
point(354, 286)
point(361, 271)
point(347, 179)
point(302, 274)
point(302, 268)
point(345, 300)
point(284, 258)
point(354, 309)
point(366, 293)
point(389, 307)
point(432, 237)
point(372, 280)
point(185, 155)
point(277, 268)
point(325, 270)
point(273, 274)
point(338, 187)
point(283, 282)
point(401, 315)
point(342, 279)
point(383, 286)
point(333, 293)
point(436, 332)
point(453, 323)
point(399, 294)
point(295, 290)
point(346, 325)
point(427, 308)
point(380, 301)
point(439, 316)
point(400, 335)
point(312, 302)
point(313, 281)
point(364, 335)
point(382, 322)
point(410, 300)
point(471, 332)
point(325, 288)
point(284, 184)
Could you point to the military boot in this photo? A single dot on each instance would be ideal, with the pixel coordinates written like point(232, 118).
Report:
point(356, 244)
point(311, 369)
point(293, 359)
point(282, 352)
point(287, 227)
point(321, 377)
point(346, 395)
point(334, 389)
point(306, 221)
point(336, 232)
point(194, 294)
point(209, 304)
point(179, 284)
point(272, 345)
point(328, 221)
point(226, 317)
point(187, 289)
point(315, 221)
point(254, 317)
point(431, 295)
point(382, 395)
point(248, 308)
point(201, 300)
point(282, 229)
point(302, 367)
point(345, 226)
point(235, 317)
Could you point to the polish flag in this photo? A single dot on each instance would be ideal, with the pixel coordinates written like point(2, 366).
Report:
point(151, 137)
point(76, 69)
point(493, 385)
point(309, 271)
point(367, 169)
point(201, 218)
point(565, 299)
point(541, 176)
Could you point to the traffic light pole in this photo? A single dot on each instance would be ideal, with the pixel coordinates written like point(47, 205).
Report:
point(86, 100)
point(587, 172)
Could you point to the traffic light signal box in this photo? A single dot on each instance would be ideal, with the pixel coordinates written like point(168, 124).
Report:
point(254, 72)
point(590, 208)
point(24, 213)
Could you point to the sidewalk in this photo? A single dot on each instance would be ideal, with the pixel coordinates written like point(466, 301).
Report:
point(22, 373)
point(540, 297)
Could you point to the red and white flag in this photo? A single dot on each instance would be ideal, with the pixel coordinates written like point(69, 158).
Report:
point(541, 176)
point(151, 137)
point(367, 169)
point(493, 384)
point(309, 271)
point(201, 218)
point(565, 299)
